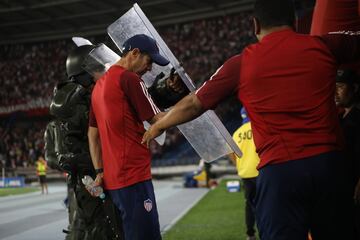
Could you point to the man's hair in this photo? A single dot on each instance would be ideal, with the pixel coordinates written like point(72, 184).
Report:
point(273, 13)
point(348, 76)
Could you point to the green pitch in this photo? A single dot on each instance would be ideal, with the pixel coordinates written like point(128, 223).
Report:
point(15, 191)
point(219, 215)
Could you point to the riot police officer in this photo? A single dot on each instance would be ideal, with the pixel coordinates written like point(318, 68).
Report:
point(67, 149)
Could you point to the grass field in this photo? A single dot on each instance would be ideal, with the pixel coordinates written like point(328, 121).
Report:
point(15, 191)
point(218, 216)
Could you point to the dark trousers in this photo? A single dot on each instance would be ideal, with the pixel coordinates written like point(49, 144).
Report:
point(311, 194)
point(357, 220)
point(250, 192)
point(88, 216)
point(138, 210)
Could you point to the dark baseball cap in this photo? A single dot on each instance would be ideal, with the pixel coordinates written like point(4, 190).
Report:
point(244, 116)
point(347, 76)
point(147, 45)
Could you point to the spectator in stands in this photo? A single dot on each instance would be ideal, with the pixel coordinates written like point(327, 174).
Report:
point(347, 98)
point(246, 167)
point(286, 82)
point(41, 168)
point(21, 145)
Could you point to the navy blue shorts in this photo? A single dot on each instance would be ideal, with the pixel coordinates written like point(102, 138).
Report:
point(138, 211)
point(311, 194)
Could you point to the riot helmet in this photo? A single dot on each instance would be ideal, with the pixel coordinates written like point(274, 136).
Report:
point(76, 59)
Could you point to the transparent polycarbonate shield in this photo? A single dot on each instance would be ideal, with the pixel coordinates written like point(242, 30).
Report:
point(206, 134)
point(209, 138)
point(131, 24)
point(100, 59)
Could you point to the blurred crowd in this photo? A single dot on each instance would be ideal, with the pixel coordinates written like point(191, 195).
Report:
point(202, 46)
point(30, 72)
point(20, 146)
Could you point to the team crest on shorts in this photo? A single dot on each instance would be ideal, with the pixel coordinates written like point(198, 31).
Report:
point(148, 205)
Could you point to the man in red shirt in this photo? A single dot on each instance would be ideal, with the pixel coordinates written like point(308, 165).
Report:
point(286, 81)
point(120, 103)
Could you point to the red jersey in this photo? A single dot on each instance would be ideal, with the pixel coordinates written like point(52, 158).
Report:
point(331, 16)
point(120, 103)
point(287, 84)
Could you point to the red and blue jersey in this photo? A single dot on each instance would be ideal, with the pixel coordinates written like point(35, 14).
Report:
point(119, 105)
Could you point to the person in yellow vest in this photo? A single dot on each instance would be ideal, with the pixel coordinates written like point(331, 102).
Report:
point(246, 168)
point(41, 167)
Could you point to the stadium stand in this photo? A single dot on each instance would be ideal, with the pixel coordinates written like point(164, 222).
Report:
point(31, 70)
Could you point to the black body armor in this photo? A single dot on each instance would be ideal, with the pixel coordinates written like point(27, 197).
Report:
point(67, 149)
point(70, 106)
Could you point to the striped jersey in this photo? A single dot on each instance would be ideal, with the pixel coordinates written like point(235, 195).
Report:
point(119, 105)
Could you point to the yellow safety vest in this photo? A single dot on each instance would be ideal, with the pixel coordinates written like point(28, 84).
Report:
point(246, 165)
point(41, 168)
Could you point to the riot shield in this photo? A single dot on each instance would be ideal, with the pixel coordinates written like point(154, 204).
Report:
point(79, 41)
point(100, 59)
point(206, 134)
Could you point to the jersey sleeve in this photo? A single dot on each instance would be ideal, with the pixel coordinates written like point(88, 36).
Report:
point(92, 118)
point(344, 45)
point(139, 98)
point(223, 83)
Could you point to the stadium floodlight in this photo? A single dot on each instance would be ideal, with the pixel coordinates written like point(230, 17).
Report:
point(206, 134)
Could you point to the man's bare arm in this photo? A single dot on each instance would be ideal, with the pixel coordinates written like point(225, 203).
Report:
point(95, 147)
point(157, 117)
point(185, 110)
point(95, 151)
